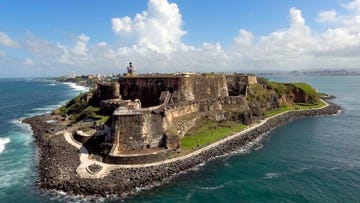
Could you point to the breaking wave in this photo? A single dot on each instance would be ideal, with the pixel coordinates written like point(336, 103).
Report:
point(3, 142)
point(77, 87)
point(272, 175)
point(211, 187)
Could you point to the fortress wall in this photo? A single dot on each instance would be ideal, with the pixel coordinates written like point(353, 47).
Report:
point(183, 117)
point(107, 107)
point(237, 108)
point(237, 84)
point(182, 110)
point(137, 132)
point(147, 89)
point(201, 87)
point(128, 132)
point(198, 97)
point(153, 132)
point(239, 100)
point(106, 91)
point(251, 79)
point(177, 112)
point(190, 88)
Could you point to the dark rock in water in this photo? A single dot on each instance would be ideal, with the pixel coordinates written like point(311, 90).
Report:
point(328, 97)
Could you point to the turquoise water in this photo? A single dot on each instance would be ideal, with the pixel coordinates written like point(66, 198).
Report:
point(20, 98)
point(309, 160)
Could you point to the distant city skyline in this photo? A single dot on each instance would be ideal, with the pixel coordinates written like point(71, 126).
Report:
point(51, 38)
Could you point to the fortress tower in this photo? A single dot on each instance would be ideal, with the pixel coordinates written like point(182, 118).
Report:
point(131, 69)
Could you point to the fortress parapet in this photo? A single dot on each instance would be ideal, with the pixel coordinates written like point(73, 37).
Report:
point(183, 87)
point(106, 91)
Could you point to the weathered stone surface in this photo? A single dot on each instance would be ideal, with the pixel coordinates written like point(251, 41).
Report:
point(148, 89)
point(106, 91)
point(192, 88)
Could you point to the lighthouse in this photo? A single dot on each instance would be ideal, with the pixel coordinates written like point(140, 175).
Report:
point(131, 69)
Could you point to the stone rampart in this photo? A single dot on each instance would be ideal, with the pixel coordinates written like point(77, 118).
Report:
point(185, 88)
point(137, 131)
point(201, 87)
point(106, 91)
point(148, 89)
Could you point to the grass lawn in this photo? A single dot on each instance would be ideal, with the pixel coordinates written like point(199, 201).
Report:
point(209, 133)
point(295, 107)
point(102, 119)
point(307, 106)
point(277, 111)
point(306, 88)
point(92, 112)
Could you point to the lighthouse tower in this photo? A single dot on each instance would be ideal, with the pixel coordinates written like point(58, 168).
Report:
point(131, 69)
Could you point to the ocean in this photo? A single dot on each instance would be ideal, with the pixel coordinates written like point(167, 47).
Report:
point(309, 160)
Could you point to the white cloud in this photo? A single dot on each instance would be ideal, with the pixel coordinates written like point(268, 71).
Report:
point(296, 17)
point(294, 40)
point(327, 16)
point(353, 5)
point(102, 44)
point(245, 38)
point(2, 53)
point(157, 29)
point(83, 38)
point(41, 47)
point(6, 41)
point(299, 47)
point(121, 24)
point(80, 47)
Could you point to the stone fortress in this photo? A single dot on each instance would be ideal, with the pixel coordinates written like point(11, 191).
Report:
point(151, 113)
point(132, 133)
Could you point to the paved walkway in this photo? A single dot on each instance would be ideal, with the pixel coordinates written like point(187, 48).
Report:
point(85, 161)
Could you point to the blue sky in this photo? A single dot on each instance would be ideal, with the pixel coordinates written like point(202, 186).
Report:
point(47, 38)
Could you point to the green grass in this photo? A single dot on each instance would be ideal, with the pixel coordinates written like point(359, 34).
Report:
point(283, 89)
point(209, 133)
point(279, 88)
point(92, 112)
point(93, 109)
point(306, 88)
point(102, 119)
point(277, 111)
point(309, 106)
point(321, 94)
point(297, 106)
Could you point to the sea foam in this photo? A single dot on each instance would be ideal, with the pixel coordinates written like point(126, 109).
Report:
point(77, 87)
point(272, 175)
point(3, 142)
point(45, 109)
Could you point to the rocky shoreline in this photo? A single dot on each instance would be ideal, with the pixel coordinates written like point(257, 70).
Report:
point(58, 160)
